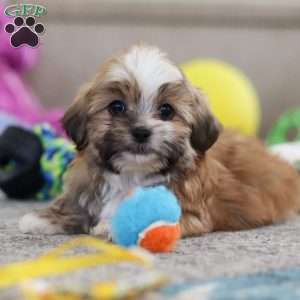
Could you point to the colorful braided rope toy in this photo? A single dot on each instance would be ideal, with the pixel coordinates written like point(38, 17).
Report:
point(149, 218)
point(33, 161)
point(57, 155)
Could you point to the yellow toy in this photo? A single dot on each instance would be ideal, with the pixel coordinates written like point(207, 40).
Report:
point(31, 275)
point(232, 97)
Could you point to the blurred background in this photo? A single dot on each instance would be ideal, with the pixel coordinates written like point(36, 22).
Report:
point(260, 37)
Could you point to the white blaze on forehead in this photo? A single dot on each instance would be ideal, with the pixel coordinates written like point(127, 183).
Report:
point(149, 67)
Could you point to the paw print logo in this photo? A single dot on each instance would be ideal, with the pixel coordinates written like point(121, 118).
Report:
point(24, 32)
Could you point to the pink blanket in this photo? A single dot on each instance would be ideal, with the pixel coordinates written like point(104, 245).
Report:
point(16, 97)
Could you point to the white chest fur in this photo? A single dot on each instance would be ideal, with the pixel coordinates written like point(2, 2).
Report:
point(117, 187)
point(113, 192)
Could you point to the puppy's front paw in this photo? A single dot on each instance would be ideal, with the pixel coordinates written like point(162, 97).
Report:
point(35, 224)
point(102, 230)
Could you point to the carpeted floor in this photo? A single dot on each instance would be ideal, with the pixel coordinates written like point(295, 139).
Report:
point(211, 256)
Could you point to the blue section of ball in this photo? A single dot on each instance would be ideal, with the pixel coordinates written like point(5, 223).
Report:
point(146, 206)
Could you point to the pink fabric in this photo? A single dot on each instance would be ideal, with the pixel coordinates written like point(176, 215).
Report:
point(16, 98)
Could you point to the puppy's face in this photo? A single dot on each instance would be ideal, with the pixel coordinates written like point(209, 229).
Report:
point(139, 114)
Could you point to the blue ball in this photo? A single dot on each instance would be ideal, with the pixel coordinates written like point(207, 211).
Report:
point(146, 206)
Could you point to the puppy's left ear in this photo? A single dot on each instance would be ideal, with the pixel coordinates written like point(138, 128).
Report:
point(206, 128)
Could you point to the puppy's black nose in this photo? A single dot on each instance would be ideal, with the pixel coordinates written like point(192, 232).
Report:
point(141, 134)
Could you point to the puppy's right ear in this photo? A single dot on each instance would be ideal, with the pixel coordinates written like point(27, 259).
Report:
point(75, 121)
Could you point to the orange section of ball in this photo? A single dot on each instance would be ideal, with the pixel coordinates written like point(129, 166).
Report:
point(161, 238)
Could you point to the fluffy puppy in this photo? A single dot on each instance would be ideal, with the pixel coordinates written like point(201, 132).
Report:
point(140, 122)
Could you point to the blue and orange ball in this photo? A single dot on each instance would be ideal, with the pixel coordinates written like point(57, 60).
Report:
point(148, 218)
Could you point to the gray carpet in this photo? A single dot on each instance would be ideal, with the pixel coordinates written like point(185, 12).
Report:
point(210, 256)
point(216, 254)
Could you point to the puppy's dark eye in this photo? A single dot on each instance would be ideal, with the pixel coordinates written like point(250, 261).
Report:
point(117, 107)
point(166, 112)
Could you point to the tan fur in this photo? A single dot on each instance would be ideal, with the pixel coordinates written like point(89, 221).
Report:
point(226, 183)
point(237, 185)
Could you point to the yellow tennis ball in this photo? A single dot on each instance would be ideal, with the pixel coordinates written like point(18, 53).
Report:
point(231, 95)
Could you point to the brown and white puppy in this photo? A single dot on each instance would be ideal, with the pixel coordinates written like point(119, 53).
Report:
point(140, 122)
